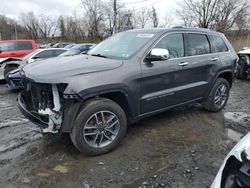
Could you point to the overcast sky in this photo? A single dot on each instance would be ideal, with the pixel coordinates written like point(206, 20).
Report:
point(13, 8)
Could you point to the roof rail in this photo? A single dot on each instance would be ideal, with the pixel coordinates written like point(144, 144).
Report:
point(176, 27)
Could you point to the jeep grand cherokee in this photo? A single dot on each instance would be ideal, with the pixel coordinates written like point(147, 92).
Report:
point(128, 76)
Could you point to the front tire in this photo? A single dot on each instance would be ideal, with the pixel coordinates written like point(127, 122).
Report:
point(99, 127)
point(218, 96)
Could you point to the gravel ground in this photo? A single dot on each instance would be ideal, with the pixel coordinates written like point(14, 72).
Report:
point(183, 147)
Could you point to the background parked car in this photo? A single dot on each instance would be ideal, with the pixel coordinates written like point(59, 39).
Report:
point(78, 49)
point(70, 45)
point(49, 45)
point(38, 54)
point(16, 48)
point(243, 67)
point(61, 44)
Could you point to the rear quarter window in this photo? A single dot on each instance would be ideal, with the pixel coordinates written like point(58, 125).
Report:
point(217, 44)
point(196, 44)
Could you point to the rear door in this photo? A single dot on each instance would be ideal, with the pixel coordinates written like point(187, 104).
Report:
point(198, 66)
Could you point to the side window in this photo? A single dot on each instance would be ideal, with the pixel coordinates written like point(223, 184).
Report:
point(196, 44)
point(45, 54)
point(218, 44)
point(173, 43)
point(24, 46)
point(58, 52)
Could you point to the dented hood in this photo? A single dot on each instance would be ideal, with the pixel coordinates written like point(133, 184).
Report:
point(55, 70)
point(3, 60)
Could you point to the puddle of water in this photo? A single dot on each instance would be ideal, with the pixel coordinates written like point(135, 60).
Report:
point(233, 135)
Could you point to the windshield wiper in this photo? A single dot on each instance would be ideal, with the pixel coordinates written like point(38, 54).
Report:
point(99, 55)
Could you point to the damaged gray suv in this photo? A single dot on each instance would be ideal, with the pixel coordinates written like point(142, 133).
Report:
point(128, 76)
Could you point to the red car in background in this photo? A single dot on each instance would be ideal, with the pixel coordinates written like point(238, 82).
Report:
point(16, 48)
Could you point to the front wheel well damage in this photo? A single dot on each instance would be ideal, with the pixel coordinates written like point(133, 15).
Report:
point(232, 163)
point(74, 107)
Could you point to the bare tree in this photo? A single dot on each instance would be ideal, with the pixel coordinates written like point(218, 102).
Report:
point(62, 27)
point(231, 12)
point(94, 14)
point(214, 14)
point(167, 21)
point(154, 18)
point(9, 28)
point(30, 23)
point(46, 26)
point(199, 12)
point(108, 13)
point(142, 17)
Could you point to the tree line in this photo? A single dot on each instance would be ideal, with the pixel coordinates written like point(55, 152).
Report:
point(99, 19)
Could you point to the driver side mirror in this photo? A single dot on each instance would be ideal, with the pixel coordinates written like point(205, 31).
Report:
point(157, 54)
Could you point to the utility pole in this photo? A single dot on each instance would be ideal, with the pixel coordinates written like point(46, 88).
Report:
point(115, 15)
point(0, 35)
point(16, 30)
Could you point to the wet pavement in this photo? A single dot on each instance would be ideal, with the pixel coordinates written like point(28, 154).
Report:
point(183, 147)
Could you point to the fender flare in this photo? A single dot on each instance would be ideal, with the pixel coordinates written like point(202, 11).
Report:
point(216, 77)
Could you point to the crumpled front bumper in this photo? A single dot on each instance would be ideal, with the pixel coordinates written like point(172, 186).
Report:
point(242, 146)
point(35, 118)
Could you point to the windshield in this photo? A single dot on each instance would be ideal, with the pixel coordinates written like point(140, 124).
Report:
point(122, 45)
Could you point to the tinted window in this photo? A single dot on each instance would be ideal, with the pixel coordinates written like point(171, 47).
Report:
point(46, 54)
point(196, 44)
point(173, 43)
point(24, 46)
point(218, 44)
point(58, 52)
point(9, 46)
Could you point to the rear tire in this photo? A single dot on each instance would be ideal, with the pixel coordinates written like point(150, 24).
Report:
point(218, 96)
point(93, 132)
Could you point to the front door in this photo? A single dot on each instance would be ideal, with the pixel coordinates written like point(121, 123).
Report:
point(161, 80)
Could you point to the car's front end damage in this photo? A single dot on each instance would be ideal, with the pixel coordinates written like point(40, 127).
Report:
point(6, 61)
point(235, 170)
point(41, 103)
point(51, 89)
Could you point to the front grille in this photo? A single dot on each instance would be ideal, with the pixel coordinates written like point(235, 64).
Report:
point(37, 96)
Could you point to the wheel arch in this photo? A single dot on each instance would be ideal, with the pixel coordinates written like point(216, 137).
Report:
point(119, 95)
point(227, 75)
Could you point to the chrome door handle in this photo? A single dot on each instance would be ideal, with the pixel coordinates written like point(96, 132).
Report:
point(183, 64)
point(214, 59)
